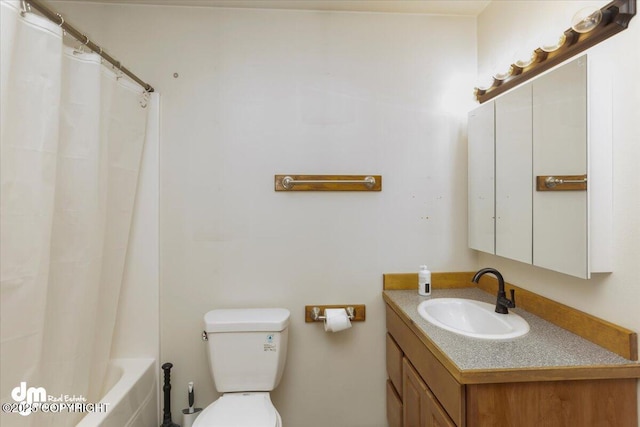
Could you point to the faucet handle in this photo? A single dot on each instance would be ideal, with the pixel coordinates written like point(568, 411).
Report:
point(513, 297)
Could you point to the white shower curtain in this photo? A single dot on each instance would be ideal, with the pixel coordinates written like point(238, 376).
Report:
point(72, 135)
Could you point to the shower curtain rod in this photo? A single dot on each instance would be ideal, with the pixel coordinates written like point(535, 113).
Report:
point(58, 19)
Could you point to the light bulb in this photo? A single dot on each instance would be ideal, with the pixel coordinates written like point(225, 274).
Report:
point(501, 75)
point(586, 19)
point(484, 83)
point(525, 59)
point(554, 43)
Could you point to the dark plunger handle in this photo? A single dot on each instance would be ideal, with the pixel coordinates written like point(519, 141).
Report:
point(166, 388)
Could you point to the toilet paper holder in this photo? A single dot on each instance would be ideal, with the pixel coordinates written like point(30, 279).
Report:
point(315, 313)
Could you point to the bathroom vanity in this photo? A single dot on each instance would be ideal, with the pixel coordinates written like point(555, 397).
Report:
point(549, 377)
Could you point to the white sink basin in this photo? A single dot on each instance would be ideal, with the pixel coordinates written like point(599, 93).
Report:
point(472, 318)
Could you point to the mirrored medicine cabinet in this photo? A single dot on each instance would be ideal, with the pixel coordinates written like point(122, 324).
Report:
point(539, 171)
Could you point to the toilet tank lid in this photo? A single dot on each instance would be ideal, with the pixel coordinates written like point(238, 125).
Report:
point(247, 319)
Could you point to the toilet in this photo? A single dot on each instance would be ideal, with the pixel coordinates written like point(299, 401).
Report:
point(247, 351)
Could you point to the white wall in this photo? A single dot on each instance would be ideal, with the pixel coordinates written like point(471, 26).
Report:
point(614, 297)
point(264, 92)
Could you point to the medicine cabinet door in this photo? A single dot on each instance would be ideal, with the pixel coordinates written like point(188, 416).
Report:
point(560, 223)
point(481, 170)
point(514, 175)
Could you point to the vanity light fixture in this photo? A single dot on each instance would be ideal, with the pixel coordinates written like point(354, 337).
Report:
point(588, 28)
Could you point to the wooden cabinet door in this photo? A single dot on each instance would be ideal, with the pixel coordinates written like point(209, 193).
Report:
point(420, 406)
point(413, 397)
point(394, 364)
point(394, 406)
point(435, 414)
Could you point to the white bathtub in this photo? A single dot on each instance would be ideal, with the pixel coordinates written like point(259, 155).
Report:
point(132, 396)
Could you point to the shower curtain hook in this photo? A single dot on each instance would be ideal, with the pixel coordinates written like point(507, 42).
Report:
point(61, 24)
point(26, 8)
point(144, 98)
point(119, 74)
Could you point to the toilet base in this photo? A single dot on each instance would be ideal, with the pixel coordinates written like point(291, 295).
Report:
point(240, 409)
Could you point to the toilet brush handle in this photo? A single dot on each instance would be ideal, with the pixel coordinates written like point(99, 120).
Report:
point(191, 397)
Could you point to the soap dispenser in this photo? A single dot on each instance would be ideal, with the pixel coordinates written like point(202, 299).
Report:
point(424, 281)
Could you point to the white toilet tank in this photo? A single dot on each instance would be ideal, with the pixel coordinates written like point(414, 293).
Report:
point(247, 348)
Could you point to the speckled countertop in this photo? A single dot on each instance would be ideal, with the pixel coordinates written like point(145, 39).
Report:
point(544, 346)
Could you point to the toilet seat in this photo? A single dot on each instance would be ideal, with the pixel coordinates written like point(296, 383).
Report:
point(240, 410)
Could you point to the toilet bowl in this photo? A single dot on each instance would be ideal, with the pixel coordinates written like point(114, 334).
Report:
point(240, 410)
point(247, 350)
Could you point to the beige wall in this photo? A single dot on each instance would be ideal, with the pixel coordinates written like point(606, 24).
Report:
point(265, 92)
point(613, 296)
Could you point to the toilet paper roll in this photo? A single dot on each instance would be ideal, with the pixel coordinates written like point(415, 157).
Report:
point(189, 418)
point(336, 320)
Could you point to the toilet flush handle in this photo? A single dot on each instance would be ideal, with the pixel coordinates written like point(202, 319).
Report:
point(205, 337)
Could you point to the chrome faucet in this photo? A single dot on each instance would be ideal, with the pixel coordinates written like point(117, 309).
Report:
point(502, 303)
